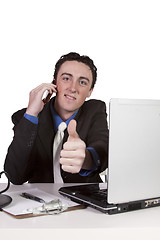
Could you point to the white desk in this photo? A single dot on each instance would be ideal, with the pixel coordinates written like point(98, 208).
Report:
point(142, 222)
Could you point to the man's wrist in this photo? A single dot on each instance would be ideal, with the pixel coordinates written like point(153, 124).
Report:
point(95, 162)
point(31, 113)
point(88, 162)
point(31, 118)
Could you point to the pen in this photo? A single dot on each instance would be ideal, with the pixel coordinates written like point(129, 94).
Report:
point(32, 197)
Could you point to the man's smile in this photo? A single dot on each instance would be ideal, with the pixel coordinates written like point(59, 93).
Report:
point(69, 97)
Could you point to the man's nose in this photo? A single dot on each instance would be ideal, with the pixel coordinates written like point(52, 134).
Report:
point(73, 86)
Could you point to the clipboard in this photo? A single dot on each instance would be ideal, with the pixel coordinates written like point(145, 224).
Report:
point(29, 215)
point(19, 205)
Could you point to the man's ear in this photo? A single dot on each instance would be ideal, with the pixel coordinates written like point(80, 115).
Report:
point(90, 92)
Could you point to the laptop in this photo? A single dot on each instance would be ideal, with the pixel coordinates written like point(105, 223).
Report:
point(133, 179)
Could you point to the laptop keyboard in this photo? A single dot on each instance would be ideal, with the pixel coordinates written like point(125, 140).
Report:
point(91, 194)
point(100, 195)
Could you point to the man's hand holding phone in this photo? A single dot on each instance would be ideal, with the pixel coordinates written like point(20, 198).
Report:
point(36, 103)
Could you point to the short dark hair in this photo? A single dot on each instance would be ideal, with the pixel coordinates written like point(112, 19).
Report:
point(73, 56)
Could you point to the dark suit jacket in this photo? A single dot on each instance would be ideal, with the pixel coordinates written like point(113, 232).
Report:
point(29, 156)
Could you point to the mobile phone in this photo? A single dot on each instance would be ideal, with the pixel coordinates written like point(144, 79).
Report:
point(46, 96)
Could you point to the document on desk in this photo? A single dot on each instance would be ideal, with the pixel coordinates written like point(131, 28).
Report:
point(21, 207)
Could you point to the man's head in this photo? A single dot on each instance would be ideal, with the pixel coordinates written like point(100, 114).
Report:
point(74, 77)
point(72, 56)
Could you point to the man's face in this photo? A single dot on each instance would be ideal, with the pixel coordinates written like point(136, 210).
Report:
point(73, 82)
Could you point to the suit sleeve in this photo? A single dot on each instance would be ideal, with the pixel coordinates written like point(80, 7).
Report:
point(98, 137)
point(18, 155)
point(94, 130)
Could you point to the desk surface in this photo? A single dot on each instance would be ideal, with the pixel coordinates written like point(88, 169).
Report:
point(148, 219)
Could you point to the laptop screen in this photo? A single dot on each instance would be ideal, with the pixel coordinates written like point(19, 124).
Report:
point(134, 150)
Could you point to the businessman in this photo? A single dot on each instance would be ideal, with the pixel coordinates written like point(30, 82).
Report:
point(85, 144)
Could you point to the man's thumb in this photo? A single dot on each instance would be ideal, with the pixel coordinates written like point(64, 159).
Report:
point(72, 129)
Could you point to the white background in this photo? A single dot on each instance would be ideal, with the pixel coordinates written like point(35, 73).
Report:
point(122, 37)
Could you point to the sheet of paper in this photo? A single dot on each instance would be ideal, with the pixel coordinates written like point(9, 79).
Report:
point(19, 205)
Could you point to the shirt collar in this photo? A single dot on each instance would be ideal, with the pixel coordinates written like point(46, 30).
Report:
point(56, 118)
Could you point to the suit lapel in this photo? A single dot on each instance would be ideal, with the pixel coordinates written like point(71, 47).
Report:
point(46, 131)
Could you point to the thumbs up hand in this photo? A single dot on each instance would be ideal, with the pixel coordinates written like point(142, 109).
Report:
point(72, 130)
point(74, 150)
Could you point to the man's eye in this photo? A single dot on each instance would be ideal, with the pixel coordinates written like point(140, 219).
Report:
point(66, 78)
point(83, 83)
